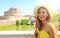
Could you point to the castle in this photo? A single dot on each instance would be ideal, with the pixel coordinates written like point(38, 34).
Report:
point(12, 14)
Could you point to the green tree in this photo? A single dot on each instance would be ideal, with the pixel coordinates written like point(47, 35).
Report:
point(56, 20)
point(24, 22)
point(1, 16)
point(59, 21)
point(17, 24)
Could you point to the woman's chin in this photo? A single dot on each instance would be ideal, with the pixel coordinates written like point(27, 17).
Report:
point(41, 19)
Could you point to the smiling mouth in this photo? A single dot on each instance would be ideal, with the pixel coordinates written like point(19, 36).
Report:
point(41, 17)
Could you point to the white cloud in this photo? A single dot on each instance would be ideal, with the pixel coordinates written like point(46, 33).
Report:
point(52, 4)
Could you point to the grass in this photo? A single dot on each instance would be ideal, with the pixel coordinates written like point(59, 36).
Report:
point(7, 27)
point(12, 27)
point(27, 27)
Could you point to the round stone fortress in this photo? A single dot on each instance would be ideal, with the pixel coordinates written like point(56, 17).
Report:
point(13, 14)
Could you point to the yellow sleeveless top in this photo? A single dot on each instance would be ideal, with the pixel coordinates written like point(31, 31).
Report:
point(43, 34)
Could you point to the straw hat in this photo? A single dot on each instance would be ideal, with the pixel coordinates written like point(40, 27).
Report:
point(37, 7)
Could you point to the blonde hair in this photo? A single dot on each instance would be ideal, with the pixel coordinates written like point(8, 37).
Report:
point(38, 24)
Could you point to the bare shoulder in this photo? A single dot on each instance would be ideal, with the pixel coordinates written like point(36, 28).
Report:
point(52, 31)
point(51, 27)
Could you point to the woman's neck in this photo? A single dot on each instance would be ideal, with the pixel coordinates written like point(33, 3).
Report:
point(44, 22)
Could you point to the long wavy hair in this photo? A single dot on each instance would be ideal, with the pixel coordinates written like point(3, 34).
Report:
point(38, 24)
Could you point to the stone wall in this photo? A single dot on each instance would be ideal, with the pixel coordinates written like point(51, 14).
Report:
point(7, 22)
point(18, 34)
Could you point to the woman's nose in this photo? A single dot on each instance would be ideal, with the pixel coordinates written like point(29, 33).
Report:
point(40, 13)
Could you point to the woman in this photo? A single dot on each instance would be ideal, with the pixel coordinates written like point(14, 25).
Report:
point(44, 27)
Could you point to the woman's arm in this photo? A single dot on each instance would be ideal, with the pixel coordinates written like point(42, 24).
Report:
point(52, 31)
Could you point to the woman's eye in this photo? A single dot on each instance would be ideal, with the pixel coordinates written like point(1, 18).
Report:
point(43, 12)
point(39, 12)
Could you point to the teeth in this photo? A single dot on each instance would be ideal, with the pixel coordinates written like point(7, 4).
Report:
point(40, 17)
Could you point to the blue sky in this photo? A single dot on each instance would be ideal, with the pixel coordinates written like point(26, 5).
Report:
point(27, 6)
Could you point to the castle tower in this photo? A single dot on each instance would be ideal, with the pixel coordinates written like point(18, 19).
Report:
point(13, 14)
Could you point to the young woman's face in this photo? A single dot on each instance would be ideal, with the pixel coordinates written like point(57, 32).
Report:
point(42, 14)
